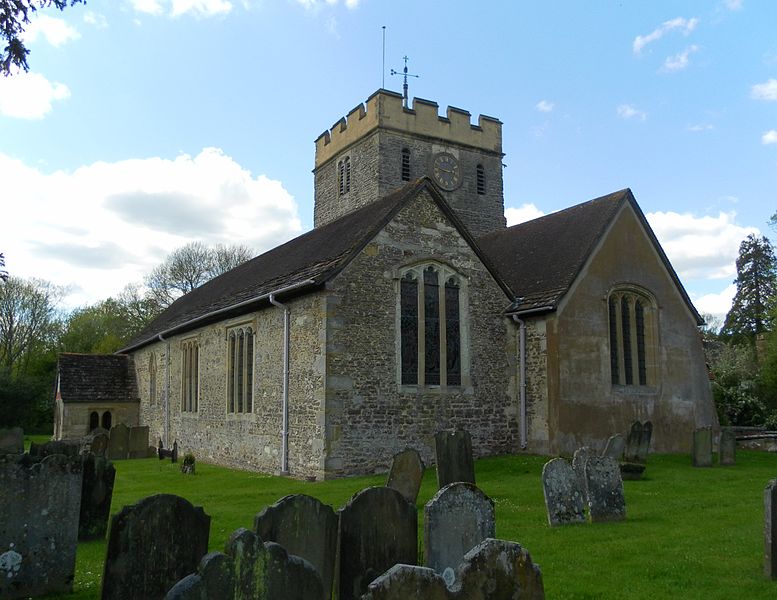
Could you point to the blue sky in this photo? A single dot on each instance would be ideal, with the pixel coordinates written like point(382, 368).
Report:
point(145, 124)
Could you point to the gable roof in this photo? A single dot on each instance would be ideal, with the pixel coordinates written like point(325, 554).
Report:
point(299, 266)
point(96, 378)
point(540, 259)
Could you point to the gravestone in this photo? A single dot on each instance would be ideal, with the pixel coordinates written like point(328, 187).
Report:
point(12, 440)
point(152, 545)
point(456, 519)
point(39, 504)
point(71, 448)
point(214, 579)
point(606, 501)
point(378, 529)
point(407, 471)
point(453, 451)
point(633, 442)
point(96, 494)
point(493, 570)
point(305, 527)
point(118, 445)
point(138, 442)
point(99, 443)
point(578, 466)
point(563, 496)
point(728, 447)
point(770, 530)
point(644, 442)
point(702, 447)
point(615, 447)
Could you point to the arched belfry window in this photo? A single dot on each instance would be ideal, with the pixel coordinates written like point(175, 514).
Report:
point(633, 337)
point(405, 164)
point(344, 175)
point(480, 177)
point(430, 326)
point(240, 370)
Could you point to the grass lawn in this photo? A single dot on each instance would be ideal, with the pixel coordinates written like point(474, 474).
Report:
point(689, 533)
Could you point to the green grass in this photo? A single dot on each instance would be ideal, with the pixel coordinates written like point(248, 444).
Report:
point(689, 533)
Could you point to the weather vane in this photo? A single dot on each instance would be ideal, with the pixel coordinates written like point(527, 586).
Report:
point(406, 75)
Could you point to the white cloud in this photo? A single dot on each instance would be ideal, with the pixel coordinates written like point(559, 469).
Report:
point(685, 26)
point(700, 247)
point(150, 7)
point(680, 61)
point(733, 4)
point(544, 106)
point(95, 19)
point(718, 304)
point(29, 95)
point(770, 137)
point(56, 31)
point(177, 8)
point(628, 111)
point(526, 212)
point(108, 224)
point(765, 91)
point(316, 4)
point(701, 127)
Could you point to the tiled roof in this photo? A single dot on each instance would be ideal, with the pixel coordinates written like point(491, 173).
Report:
point(96, 378)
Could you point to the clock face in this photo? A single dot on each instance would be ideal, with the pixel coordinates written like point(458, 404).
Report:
point(446, 171)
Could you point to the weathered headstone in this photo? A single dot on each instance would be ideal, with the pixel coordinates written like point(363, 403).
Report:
point(152, 545)
point(728, 447)
point(138, 442)
point(305, 527)
point(579, 459)
point(70, 448)
point(118, 445)
point(644, 442)
point(770, 530)
point(456, 519)
point(39, 504)
point(563, 496)
point(453, 451)
point(214, 579)
point(407, 471)
point(633, 441)
point(702, 447)
point(606, 501)
point(98, 444)
point(378, 529)
point(615, 447)
point(12, 441)
point(96, 494)
point(493, 570)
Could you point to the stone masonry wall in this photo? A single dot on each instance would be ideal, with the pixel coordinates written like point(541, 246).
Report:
point(537, 386)
point(370, 416)
point(75, 416)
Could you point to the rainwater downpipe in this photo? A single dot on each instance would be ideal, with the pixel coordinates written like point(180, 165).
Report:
point(167, 390)
point(522, 374)
point(285, 400)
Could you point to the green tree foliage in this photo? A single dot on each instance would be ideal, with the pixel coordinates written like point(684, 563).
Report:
point(756, 294)
point(14, 17)
point(734, 388)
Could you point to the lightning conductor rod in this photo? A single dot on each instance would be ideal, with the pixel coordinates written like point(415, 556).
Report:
point(383, 70)
point(406, 75)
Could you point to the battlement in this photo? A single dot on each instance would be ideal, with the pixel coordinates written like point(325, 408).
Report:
point(384, 109)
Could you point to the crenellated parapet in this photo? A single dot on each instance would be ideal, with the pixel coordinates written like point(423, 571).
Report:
point(384, 109)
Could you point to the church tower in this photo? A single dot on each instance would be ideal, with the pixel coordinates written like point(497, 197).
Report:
point(382, 144)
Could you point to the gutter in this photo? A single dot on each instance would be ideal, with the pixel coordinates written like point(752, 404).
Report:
point(285, 395)
point(523, 432)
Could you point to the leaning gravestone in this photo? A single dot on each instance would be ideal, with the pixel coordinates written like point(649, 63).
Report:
point(39, 503)
point(407, 471)
point(151, 545)
point(633, 442)
point(728, 447)
point(493, 570)
point(770, 530)
point(606, 501)
point(615, 447)
point(96, 494)
point(378, 529)
point(456, 519)
point(118, 445)
point(702, 447)
point(644, 442)
point(579, 460)
point(563, 496)
point(453, 451)
point(305, 527)
point(137, 446)
point(12, 441)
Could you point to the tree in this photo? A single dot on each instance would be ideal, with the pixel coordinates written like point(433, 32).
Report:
point(14, 17)
point(3, 272)
point(756, 290)
point(189, 266)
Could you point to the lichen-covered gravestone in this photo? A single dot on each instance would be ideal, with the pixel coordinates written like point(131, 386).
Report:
point(579, 460)
point(305, 527)
point(728, 447)
point(493, 570)
point(456, 519)
point(118, 445)
point(615, 447)
point(702, 447)
point(563, 496)
point(378, 529)
point(96, 494)
point(606, 501)
point(152, 545)
point(770, 530)
point(39, 504)
point(12, 440)
point(214, 580)
point(407, 471)
point(453, 450)
point(98, 443)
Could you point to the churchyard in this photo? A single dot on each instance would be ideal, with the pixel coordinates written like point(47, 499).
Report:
point(688, 533)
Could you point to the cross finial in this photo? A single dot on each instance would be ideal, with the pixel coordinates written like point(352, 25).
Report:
point(405, 76)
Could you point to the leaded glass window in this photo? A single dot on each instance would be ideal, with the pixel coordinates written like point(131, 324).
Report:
point(632, 338)
point(190, 377)
point(240, 370)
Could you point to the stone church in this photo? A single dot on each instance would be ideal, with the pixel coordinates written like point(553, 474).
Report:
point(411, 308)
